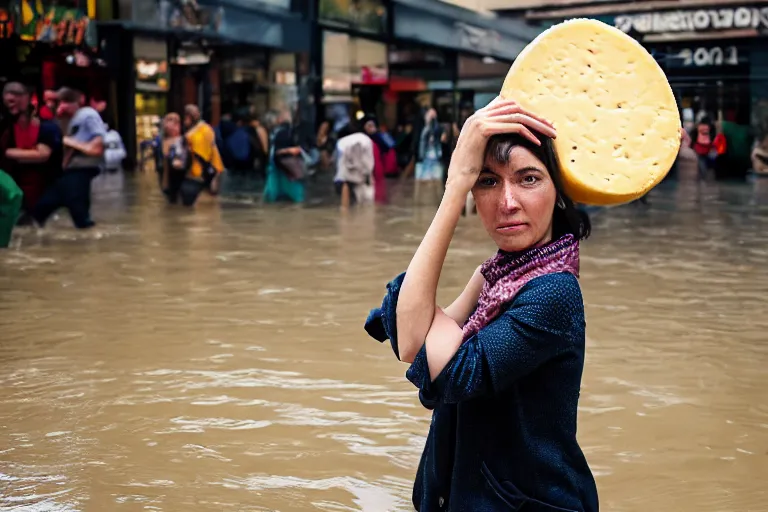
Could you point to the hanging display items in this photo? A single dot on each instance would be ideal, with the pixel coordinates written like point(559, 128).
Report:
point(35, 20)
point(6, 24)
point(152, 75)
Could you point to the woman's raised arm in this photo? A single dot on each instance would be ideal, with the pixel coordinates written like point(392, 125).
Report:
point(416, 304)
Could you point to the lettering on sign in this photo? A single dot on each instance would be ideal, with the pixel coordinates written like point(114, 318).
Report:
point(701, 20)
point(714, 56)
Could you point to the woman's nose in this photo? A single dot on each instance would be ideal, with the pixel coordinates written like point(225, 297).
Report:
point(509, 201)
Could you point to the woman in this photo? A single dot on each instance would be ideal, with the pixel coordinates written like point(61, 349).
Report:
point(429, 166)
point(285, 172)
point(174, 179)
point(501, 366)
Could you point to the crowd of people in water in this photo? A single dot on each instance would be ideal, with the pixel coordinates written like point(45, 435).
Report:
point(359, 155)
point(51, 154)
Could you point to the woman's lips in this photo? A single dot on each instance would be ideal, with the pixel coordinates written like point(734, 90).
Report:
point(511, 227)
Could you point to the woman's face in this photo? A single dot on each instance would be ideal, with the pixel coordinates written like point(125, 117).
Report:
point(515, 200)
point(172, 127)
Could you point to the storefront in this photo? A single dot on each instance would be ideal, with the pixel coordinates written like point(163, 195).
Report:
point(708, 56)
point(353, 58)
point(421, 77)
point(221, 55)
point(47, 45)
point(452, 58)
point(715, 59)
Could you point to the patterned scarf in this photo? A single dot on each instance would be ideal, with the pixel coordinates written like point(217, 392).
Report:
point(507, 272)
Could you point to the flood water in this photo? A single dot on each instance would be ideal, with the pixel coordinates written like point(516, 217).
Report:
point(215, 360)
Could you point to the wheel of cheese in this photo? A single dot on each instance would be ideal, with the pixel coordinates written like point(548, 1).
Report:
point(618, 126)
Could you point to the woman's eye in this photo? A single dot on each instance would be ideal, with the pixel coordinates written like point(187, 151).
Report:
point(530, 179)
point(486, 181)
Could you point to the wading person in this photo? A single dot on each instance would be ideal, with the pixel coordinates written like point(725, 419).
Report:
point(83, 160)
point(177, 161)
point(286, 169)
point(429, 166)
point(206, 166)
point(355, 166)
point(30, 148)
point(501, 366)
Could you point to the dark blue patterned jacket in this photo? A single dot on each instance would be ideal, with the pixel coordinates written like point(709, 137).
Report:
point(503, 433)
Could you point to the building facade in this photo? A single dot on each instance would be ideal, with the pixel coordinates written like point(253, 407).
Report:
point(48, 44)
point(318, 58)
point(715, 54)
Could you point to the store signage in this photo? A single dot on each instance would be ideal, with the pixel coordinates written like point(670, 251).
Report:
point(477, 39)
point(53, 24)
point(698, 20)
point(361, 15)
point(704, 57)
point(715, 56)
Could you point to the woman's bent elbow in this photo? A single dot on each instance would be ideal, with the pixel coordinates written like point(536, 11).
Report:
point(407, 353)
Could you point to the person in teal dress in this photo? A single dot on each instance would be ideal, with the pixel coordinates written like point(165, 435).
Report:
point(280, 185)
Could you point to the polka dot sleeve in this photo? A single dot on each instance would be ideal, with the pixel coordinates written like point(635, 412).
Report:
point(381, 323)
point(545, 320)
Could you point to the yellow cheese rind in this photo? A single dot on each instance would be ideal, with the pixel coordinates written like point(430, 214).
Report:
point(618, 126)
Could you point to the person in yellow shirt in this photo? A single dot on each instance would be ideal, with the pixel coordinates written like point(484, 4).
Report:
point(206, 165)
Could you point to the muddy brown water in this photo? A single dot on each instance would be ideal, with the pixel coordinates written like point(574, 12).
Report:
point(215, 360)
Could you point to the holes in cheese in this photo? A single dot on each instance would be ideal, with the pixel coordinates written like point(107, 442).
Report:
point(618, 126)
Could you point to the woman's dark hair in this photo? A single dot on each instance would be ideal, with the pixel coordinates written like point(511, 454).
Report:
point(569, 219)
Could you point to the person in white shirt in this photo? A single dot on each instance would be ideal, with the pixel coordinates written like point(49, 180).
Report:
point(354, 168)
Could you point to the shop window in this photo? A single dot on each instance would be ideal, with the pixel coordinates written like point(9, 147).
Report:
point(283, 91)
point(349, 61)
point(153, 81)
point(244, 82)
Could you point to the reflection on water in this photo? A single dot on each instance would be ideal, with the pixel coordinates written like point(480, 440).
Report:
point(215, 360)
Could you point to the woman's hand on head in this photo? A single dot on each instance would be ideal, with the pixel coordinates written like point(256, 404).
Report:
point(499, 117)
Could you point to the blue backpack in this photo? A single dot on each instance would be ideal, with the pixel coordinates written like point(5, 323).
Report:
point(238, 145)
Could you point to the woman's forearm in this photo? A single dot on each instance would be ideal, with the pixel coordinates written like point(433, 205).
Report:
point(30, 156)
point(416, 302)
point(465, 303)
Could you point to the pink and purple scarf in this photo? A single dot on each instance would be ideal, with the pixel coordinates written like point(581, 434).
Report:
point(506, 273)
